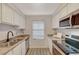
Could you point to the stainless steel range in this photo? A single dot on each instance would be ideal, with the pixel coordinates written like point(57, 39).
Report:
point(72, 44)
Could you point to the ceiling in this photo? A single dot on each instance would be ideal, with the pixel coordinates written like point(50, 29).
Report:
point(38, 8)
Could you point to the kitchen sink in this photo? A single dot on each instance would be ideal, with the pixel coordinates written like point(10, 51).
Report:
point(12, 41)
point(7, 44)
point(4, 44)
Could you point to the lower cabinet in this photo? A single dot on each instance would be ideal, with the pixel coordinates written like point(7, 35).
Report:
point(10, 53)
point(19, 49)
point(50, 44)
point(27, 45)
point(23, 48)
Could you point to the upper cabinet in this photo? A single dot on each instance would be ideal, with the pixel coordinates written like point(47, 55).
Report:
point(0, 11)
point(22, 22)
point(62, 16)
point(10, 16)
point(16, 19)
point(72, 7)
point(19, 20)
point(63, 12)
point(7, 14)
point(55, 21)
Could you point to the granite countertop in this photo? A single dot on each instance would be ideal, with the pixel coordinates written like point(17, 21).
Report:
point(4, 50)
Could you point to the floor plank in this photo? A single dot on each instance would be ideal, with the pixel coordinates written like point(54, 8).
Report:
point(38, 51)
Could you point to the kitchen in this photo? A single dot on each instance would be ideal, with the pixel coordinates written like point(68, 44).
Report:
point(39, 28)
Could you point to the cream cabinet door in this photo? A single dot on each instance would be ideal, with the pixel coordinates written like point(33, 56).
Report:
point(26, 45)
point(63, 12)
point(55, 21)
point(10, 53)
point(17, 50)
point(22, 23)
point(0, 12)
point(50, 44)
point(16, 19)
point(7, 14)
point(23, 47)
point(72, 7)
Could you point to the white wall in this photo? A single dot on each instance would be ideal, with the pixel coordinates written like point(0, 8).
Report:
point(38, 43)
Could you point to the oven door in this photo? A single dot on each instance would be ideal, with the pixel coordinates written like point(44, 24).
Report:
point(71, 46)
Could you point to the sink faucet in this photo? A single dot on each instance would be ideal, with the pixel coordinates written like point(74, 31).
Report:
point(8, 35)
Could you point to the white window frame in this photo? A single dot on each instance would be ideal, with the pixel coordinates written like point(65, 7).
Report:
point(40, 30)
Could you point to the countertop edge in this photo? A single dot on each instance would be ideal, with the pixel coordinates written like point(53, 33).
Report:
point(59, 49)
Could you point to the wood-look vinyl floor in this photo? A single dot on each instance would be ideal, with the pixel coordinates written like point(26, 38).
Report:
point(38, 51)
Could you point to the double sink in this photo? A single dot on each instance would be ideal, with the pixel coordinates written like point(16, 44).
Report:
point(11, 42)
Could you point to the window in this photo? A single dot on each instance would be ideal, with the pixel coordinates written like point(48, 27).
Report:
point(38, 29)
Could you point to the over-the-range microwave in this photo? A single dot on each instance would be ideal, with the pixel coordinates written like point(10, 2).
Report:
point(65, 22)
point(71, 21)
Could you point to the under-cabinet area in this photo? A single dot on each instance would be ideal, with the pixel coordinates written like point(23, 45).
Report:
point(39, 28)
